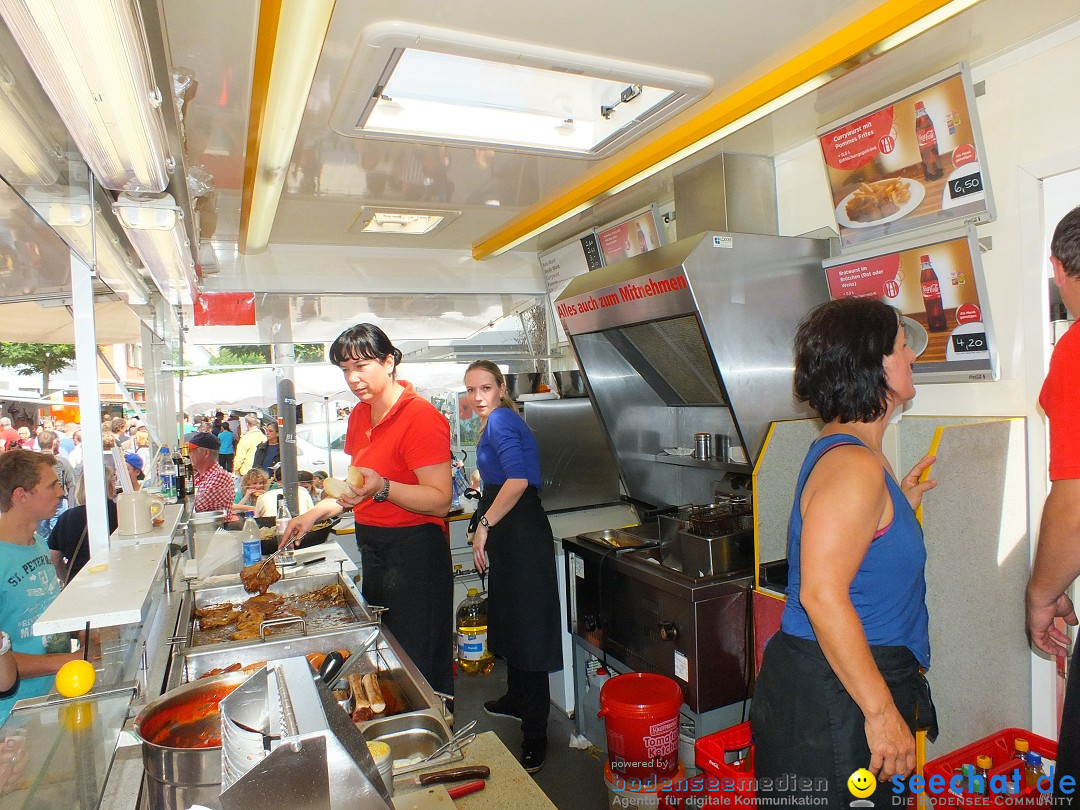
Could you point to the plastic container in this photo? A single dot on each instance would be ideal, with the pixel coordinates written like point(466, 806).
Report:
point(728, 757)
point(1000, 748)
point(384, 761)
point(647, 792)
point(591, 725)
point(251, 543)
point(473, 654)
point(641, 713)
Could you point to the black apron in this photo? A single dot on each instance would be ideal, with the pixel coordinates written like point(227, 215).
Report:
point(408, 571)
point(523, 592)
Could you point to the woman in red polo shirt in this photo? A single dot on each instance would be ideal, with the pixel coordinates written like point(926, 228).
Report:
point(401, 444)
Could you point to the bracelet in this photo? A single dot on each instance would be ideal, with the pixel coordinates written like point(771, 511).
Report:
point(484, 522)
point(383, 493)
point(5, 643)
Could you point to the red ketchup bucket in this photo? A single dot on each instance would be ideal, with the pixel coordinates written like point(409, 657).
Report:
point(641, 713)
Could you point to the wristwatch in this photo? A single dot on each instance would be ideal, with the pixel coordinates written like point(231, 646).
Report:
point(5, 643)
point(383, 493)
point(484, 522)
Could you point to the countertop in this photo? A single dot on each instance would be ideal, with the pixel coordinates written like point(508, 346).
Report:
point(336, 560)
point(509, 785)
point(114, 588)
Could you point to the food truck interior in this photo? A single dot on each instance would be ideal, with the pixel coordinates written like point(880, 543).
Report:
point(185, 175)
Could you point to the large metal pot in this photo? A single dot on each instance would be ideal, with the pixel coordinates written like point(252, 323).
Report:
point(525, 383)
point(181, 743)
point(570, 383)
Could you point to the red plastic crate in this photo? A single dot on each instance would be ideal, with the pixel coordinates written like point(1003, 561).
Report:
point(999, 747)
point(734, 780)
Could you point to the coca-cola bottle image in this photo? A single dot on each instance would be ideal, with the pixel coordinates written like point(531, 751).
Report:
point(931, 296)
point(927, 138)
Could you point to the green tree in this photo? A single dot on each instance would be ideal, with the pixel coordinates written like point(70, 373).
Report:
point(37, 358)
point(254, 354)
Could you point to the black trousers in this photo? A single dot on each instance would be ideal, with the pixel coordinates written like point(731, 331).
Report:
point(408, 570)
point(1068, 761)
point(809, 735)
point(531, 694)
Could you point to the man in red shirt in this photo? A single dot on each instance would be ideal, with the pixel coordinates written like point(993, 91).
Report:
point(1057, 558)
point(214, 488)
point(9, 437)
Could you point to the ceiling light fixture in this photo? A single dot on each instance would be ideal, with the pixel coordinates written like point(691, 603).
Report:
point(155, 226)
point(92, 59)
point(402, 221)
point(26, 153)
point(415, 82)
point(86, 230)
point(889, 25)
point(287, 53)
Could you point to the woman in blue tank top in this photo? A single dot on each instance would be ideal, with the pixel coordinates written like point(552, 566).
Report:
point(841, 685)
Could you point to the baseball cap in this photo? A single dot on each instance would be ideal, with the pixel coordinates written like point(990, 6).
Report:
point(135, 460)
point(207, 440)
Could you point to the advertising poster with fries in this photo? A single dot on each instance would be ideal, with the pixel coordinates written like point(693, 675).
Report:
point(938, 289)
point(915, 161)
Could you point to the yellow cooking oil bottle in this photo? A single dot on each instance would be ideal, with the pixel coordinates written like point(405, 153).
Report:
point(472, 625)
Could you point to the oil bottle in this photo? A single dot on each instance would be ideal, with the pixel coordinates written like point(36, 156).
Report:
point(472, 625)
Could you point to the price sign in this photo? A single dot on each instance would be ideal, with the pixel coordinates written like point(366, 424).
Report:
point(972, 342)
point(963, 186)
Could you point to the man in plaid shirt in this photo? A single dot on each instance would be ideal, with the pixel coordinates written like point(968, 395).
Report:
point(214, 488)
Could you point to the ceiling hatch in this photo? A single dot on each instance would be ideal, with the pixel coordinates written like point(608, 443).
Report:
point(419, 83)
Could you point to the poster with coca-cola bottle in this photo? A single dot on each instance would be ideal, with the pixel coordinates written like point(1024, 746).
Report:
point(914, 160)
point(938, 291)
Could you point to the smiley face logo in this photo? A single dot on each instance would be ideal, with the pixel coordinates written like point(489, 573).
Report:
point(861, 783)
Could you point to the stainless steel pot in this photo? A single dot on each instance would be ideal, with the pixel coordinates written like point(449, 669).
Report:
point(570, 383)
point(179, 776)
point(525, 383)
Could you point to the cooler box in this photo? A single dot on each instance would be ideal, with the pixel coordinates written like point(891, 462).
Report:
point(999, 747)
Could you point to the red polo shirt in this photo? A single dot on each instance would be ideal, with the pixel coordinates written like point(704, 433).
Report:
point(413, 434)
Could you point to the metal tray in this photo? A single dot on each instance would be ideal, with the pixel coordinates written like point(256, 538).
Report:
point(617, 539)
point(317, 619)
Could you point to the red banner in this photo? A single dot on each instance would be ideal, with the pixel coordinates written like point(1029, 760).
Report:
point(225, 309)
point(856, 144)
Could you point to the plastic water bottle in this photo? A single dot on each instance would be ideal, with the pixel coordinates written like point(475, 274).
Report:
point(252, 544)
point(472, 624)
point(166, 471)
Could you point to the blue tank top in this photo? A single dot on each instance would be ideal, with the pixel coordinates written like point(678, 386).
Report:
point(889, 589)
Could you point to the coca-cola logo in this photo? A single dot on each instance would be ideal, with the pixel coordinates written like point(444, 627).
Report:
point(966, 313)
point(964, 153)
point(930, 289)
point(926, 137)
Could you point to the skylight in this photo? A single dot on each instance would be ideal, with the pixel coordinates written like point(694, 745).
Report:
point(452, 87)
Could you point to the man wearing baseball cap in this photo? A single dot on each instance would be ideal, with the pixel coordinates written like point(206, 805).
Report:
point(214, 488)
point(133, 466)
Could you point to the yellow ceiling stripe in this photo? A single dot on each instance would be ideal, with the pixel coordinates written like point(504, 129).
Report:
point(266, 38)
point(886, 20)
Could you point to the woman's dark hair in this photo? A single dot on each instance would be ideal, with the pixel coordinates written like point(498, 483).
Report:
point(839, 352)
point(365, 341)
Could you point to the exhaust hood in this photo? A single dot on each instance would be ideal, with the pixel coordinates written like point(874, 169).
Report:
point(693, 336)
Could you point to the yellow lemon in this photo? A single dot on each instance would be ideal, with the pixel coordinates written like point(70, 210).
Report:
point(861, 783)
point(75, 678)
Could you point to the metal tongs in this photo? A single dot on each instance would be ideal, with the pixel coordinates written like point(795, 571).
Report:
point(284, 548)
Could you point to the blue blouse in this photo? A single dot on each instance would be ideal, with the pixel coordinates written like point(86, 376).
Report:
point(507, 450)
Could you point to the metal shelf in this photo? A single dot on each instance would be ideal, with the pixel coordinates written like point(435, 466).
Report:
point(704, 463)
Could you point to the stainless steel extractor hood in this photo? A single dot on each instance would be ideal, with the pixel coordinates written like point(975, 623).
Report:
point(692, 337)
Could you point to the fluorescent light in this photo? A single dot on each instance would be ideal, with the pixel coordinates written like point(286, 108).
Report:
point(26, 154)
point(301, 29)
point(86, 230)
point(91, 57)
point(414, 82)
point(404, 221)
point(155, 226)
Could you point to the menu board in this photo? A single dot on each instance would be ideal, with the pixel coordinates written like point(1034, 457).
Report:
point(914, 161)
point(566, 260)
point(633, 236)
point(941, 294)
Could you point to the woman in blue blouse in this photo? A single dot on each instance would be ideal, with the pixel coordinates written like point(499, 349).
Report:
point(513, 536)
